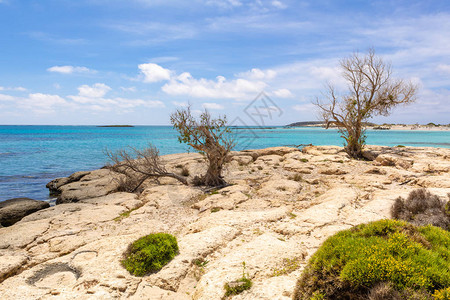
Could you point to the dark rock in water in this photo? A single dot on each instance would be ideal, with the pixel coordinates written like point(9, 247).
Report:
point(13, 210)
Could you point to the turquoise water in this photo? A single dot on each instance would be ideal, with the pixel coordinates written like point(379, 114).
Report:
point(31, 156)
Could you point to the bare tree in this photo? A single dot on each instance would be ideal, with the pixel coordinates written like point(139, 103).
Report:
point(137, 166)
point(208, 136)
point(371, 91)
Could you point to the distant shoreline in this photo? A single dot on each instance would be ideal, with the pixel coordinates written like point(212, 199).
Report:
point(388, 127)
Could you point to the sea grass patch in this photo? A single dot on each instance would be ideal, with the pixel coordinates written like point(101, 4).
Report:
point(150, 253)
point(412, 261)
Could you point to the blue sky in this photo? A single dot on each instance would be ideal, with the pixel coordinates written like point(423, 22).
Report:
point(136, 61)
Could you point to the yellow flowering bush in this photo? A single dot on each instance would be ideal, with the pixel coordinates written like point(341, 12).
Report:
point(350, 263)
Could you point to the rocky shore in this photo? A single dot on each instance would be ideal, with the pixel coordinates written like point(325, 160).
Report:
point(281, 205)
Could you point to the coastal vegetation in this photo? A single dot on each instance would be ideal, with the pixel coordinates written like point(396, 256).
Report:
point(371, 91)
point(137, 166)
point(422, 208)
point(238, 286)
point(208, 136)
point(388, 257)
point(150, 253)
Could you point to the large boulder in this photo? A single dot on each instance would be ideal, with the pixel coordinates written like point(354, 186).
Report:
point(54, 185)
point(13, 210)
point(84, 185)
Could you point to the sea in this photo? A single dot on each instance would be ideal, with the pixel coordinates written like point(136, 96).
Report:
point(31, 156)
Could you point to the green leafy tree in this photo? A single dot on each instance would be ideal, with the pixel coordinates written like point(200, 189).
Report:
point(371, 91)
point(210, 137)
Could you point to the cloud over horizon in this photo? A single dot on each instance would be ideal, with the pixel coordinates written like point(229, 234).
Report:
point(69, 69)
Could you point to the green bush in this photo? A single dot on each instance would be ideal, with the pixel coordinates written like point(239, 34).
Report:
point(413, 260)
point(150, 253)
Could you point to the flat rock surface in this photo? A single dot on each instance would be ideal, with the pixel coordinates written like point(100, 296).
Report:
point(281, 205)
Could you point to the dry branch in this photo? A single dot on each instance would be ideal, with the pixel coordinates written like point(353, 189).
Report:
point(137, 166)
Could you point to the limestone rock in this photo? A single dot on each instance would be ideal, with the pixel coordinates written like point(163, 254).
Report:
point(394, 160)
point(332, 171)
point(95, 184)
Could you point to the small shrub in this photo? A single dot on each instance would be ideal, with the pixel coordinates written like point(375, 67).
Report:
point(304, 160)
point(184, 172)
point(215, 209)
point(292, 215)
point(238, 286)
point(379, 258)
point(150, 253)
point(422, 208)
point(260, 167)
point(201, 263)
point(125, 214)
point(197, 180)
point(384, 291)
point(400, 146)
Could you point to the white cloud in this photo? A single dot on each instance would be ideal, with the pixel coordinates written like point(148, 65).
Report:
point(4, 97)
point(154, 73)
point(18, 89)
point(213, 106)
point(69, 69)
point(95, 91)
point(258, 74)
point(128, 89)
point(43, 103)
point(92, 98)
point(283, 93)
point(185, 84)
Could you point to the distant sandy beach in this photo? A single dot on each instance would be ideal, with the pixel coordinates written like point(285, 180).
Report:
point(397, 127)
point(414, 127)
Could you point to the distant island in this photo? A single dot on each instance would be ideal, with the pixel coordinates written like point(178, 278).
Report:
point(115, 126)
point(307, 123)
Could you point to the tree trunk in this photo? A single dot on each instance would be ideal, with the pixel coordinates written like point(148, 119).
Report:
point(177, 177)
point(213, 176)
point(355, 142)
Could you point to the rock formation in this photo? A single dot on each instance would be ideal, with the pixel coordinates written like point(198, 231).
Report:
point(13, 210)
point(281, 205)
